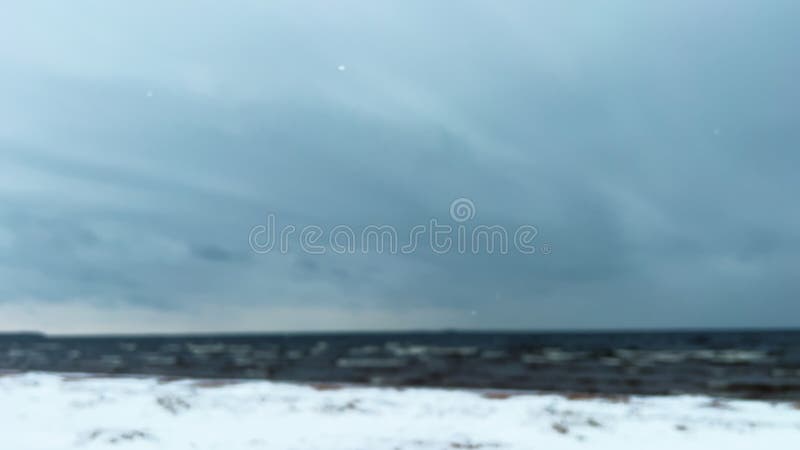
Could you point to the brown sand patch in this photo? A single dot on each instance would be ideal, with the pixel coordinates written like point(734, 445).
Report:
point(497, 395)
point(214, 383)
point(326, 386)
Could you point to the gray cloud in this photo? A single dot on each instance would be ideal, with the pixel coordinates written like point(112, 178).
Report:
point(653, 146)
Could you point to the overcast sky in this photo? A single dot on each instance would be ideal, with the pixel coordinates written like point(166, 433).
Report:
point(654, 146)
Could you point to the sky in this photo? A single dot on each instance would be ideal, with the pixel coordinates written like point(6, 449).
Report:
point(653, 147)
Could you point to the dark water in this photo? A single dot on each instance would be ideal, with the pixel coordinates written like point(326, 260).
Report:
point(741, 364)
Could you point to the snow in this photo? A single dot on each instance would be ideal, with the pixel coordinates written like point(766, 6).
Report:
point(50, 411)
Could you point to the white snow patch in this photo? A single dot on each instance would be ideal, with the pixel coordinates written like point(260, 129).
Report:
point(50, 411)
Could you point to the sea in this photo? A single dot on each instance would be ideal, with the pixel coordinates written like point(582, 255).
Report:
point(741, 364)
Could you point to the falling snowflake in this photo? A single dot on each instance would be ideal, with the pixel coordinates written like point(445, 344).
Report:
point(341, 67)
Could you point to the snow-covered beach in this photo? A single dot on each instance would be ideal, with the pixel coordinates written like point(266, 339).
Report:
point(40, 411)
